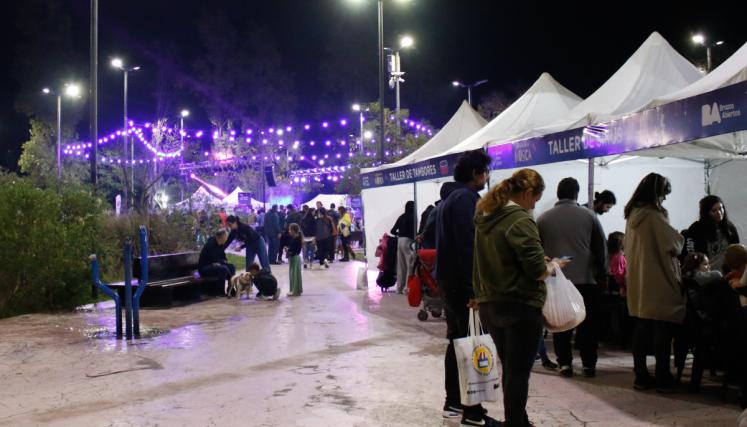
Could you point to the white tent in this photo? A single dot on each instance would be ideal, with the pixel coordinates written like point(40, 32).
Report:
point(233, 198)
point(199, 199)
point(654, 70)
point(462, 124)
point(328, 199)
point(543, 102)
point(382, 206)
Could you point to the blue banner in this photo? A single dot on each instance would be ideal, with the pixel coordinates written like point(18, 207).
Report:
point(421, 171)
point(718, 112)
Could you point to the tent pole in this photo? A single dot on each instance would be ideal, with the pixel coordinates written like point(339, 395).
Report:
point(591, 183)
point(707, 177)
point(415, 200)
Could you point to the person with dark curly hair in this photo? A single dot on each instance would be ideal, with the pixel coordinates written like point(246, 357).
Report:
point(712, 233)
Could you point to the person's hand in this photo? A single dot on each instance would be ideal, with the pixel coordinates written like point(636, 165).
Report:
point(473, 304)
point(217, 264)
point(735, 283)
point(419, 238)
point(561, 263)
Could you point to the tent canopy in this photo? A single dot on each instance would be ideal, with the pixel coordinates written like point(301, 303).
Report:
point(462, 124)
point(328, 199)
point(200, 198)
point(654, 70)
point(544, 101)
point(233, 198)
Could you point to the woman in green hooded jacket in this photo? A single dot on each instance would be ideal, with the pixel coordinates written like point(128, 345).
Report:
point(508, 272)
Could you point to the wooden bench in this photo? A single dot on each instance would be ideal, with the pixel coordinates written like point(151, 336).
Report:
point(172, 277)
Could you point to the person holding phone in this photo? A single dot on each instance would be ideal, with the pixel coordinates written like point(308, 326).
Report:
point(573, 232)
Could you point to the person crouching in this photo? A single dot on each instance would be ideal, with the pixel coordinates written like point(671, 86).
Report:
point(213, 261)
point(266, 283)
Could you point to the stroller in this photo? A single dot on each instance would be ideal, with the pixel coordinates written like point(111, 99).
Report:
point(422, 286)
point(387, 253)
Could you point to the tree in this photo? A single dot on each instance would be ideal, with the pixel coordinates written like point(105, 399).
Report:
point(39, 156)
point(368, 154)
point(493, 104)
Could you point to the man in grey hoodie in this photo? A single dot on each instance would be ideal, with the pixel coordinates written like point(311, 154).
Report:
point(570, 230)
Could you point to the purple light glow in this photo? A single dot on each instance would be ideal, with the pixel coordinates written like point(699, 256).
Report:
point(313, 157)
point(306, 127)
point(248, 131)
point(199, 134)
point(321, 162)
point(289, 128)
point(325, 125)
point(271, 130)
point(312, 143)
point(343, 122)
point(327, 143)
point(264, 141)
point(233, 133)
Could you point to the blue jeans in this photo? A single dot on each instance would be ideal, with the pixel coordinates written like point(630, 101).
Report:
point(308, 252)
point(258, 248)
point(274, 242)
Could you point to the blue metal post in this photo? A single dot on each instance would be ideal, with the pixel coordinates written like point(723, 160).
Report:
point(108, 291)
point(143, 282)
point(128, 288)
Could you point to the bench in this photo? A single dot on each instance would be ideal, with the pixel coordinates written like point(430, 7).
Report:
point(172, 277)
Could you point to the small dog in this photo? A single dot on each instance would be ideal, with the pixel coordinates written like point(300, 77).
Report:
point(240, 283)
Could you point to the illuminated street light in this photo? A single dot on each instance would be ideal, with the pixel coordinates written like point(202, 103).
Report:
point(700, 39)
point(469, 87)
point(119, 64)
point(71, 90)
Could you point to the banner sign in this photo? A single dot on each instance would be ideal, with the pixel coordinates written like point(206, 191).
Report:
point(718, 112)
point(421, 171)
point(245, 199)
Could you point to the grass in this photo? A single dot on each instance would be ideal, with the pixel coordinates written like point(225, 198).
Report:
point(236, 260)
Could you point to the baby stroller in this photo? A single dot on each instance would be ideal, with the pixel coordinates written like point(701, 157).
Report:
point(422, 286)
point(387, 253)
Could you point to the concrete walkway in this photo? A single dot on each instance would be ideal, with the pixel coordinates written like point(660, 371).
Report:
point(333, 357)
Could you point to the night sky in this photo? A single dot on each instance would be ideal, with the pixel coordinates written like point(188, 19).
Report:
point(333, 42)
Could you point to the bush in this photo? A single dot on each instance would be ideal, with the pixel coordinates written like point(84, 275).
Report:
point(45, 239)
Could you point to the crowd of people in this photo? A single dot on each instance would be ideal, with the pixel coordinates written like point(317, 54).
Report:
point(682, 291)
point(301, 237)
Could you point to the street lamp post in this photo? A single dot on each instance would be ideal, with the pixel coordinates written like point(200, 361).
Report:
point(72, 91)
point(396, 72)
point(118, 63)
point(357, 109)
point(184, 114)
point(382, 118)
point(701, 40)
point(469, 87)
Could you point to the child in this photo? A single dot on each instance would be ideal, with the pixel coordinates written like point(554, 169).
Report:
point(294, 256)
point(617, 262)
point(265, 282)
point(735, 258)
point(698, 267)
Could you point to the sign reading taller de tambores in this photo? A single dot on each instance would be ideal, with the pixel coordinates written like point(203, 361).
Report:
point(245, 199)
point(420, 171)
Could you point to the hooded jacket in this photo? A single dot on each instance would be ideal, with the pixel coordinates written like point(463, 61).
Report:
point(509, 258)
point(455, 237)
point(651, 248)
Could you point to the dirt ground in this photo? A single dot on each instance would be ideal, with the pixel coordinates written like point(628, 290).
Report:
point(335, 356)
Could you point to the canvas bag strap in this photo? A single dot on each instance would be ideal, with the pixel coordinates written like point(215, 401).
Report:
point(475, 326)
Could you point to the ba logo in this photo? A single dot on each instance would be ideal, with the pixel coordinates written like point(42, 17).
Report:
point(379, 179)
point(443, 165)
point(482, 360)
point(710, 115)
point(365, 181)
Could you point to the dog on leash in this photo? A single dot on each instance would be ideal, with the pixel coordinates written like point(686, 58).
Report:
point(240, 283)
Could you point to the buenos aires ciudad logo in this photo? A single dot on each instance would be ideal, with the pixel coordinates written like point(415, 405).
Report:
point(482, 359)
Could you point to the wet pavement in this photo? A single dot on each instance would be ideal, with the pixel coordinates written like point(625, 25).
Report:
point(334, 357)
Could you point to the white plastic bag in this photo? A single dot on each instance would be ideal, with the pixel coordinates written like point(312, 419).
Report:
point(564, 307)
point(362, 282)
point(477, 360)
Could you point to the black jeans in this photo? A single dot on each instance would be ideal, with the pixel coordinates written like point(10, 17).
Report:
point(322, 249)
point(346, 247)
point(457, 326)
point(656, 334)
point(221, 272)
point(587, 333)
point(516, 329)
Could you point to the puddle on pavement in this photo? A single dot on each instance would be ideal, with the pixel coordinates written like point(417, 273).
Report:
point(104, 333)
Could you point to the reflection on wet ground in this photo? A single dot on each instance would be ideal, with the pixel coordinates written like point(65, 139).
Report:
point(335, 356)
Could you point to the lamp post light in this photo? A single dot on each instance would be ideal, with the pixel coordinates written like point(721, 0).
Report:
point(182, 115)
point(469, 87)
point(119, 64)
point(72, 90)
point(701, 40)
point(396, 72)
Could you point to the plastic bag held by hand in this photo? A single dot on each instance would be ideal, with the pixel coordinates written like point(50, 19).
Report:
point(564, 307)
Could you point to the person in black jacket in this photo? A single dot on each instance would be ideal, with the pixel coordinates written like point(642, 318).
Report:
point(266, 283)
point(427, 235)
point(712, 233)
point(213, 261)
point(404, 229)
point(455, 236)
point(308, 228)
point(252, 241)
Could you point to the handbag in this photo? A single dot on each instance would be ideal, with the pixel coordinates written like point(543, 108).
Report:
point(476, 361)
